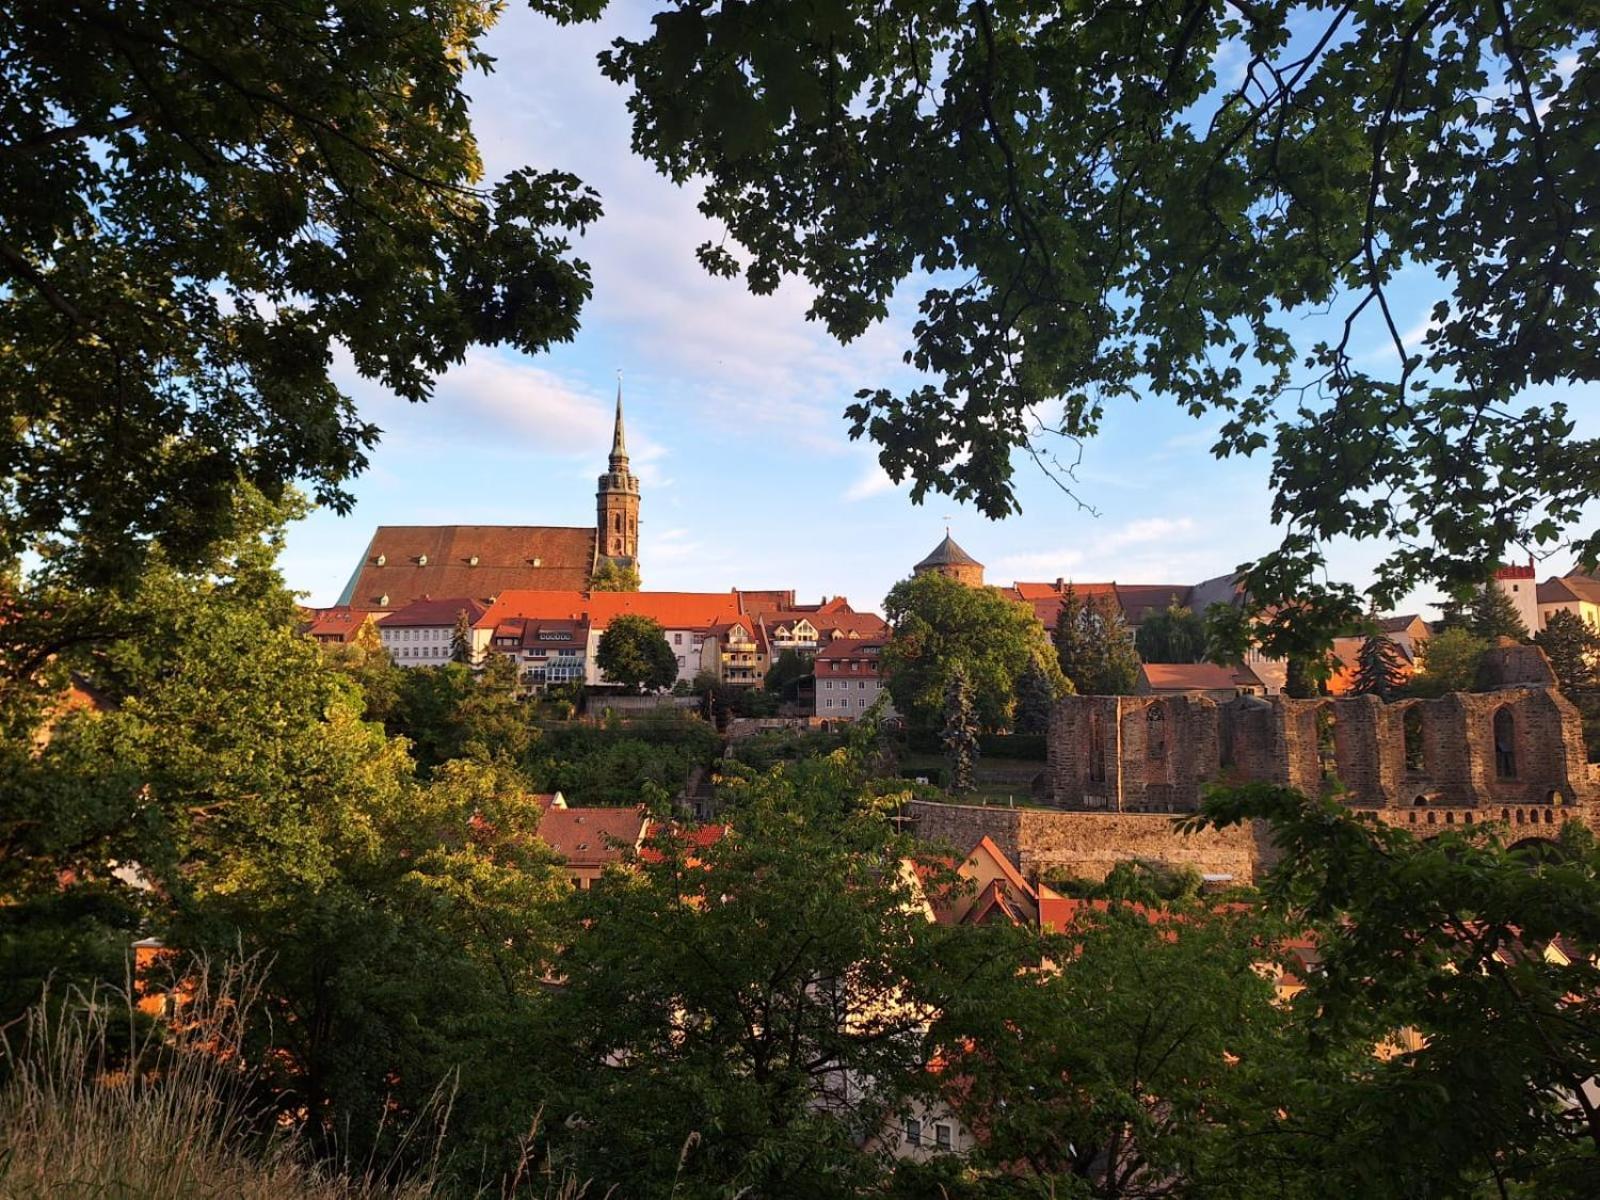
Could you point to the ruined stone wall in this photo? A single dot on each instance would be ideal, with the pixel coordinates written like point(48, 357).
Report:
point(1466, 750)
point(1089, 844)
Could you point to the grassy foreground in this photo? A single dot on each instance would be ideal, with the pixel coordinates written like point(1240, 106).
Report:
point(83, 1116)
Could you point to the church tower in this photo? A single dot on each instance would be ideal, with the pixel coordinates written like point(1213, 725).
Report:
point(617, 502)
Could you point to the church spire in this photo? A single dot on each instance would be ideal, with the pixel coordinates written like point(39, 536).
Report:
point(619, 444)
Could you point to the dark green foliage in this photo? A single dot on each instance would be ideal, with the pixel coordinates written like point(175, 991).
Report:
point(1036, 696)
point(1101, 206)
point(1449, 663)
point(784, 674)
point(201, 205)
point(736, 983)
point(1174, 635)
point(1573, 647)
point(1094, 647)
point(940, 625)
point(1028, 746)
point(1488, 614)
point(612, 576)
point(765, 750)
point(1154, 1054)
point(450, 712)
point(633, 651)
point(461, 641)
point(960, 734)
point(1380, 669)
point(650, 756)
point(1444, 937)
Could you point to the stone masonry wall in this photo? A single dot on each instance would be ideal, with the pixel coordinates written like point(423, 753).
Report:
point(1089, 844)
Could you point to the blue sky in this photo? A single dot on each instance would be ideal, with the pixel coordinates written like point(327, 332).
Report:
point(735, 407)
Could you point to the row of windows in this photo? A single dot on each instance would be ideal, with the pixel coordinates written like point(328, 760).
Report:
point(420, 635)
point(845, 702)
point(942, 1136)
point(844, 685)
point(422, 651)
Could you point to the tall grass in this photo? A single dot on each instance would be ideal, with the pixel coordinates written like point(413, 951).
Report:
point(101, 1103)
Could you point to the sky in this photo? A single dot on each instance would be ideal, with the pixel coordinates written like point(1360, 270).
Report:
point(735, 408)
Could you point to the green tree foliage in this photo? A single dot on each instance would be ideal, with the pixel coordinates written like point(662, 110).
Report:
point(1099, 208)
point(960, 734)
point(1450, 663)
point(1488, 613)
point(201, 205)
point(612, 576)
point(938, 624)
point(461, 641)
point(1572, 645)
point(1094, 647)
point(1154, 1055)
point(1380, 669)
point(231, 795)
point(651, 755)
point(450, 712)
point(758, 997)
point(786, 672)
point(633, 651)
point(1036, 696)
point(1442, 937)
point(1173, 635)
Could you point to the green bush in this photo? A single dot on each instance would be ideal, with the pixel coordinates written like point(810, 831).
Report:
point(1029, 746)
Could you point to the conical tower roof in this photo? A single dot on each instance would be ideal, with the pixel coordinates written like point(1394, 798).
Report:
point(619, 443)
point(948, 554)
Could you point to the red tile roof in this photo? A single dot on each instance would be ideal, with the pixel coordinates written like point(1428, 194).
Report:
point(505, 554)
point(846, 648)
point(593, 836)
point(339, 623)
point(431, 613)
point(1569, 589)
point(1189, 677)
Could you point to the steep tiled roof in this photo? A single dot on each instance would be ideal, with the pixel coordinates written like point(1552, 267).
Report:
point(431, 613)
point(339, 622)
point(948, 554)
point(1190, 677)
point(674, 610)
point(1139, 600)
point(765, 600)
point(849, 648)
point(593, 836)
point(506, 558)
point(1400, 624)
point(1570, 588)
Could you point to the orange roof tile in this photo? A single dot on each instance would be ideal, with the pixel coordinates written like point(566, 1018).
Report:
point(507, 556)
point(593, 836)
point(1189, 677)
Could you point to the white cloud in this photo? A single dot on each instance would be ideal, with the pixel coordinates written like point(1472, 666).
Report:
point(874, 481)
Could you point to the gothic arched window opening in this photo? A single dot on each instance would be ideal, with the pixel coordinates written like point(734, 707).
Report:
point(1155, 732)
point(1327, 747)
point(1505, 744)
point(1416, 755)
point(1097, 749)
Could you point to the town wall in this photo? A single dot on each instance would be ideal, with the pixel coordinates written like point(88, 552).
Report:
point(1089, 844)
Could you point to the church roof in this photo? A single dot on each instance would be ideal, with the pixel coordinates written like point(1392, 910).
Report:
point(406, 562)
point(948, 554)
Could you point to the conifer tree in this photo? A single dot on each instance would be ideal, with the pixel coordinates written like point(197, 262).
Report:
point(1036, 695)
point(1174, 635)
point(1094, 647)
point(1487, 613)
point(1380, 670)
point(461, 639)
point(1572, 645)
point(960, 735)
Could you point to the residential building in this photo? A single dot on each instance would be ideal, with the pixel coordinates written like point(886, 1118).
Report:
point(1574, 592)
point(404, 563)
point(422, 633)
point(547, 652)
point(849, 677)
point(1202, 679)
point(590, 839)
point(335, 626)
point(736, 652)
